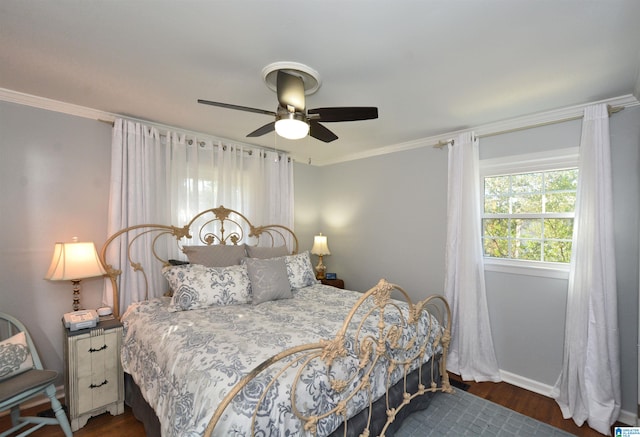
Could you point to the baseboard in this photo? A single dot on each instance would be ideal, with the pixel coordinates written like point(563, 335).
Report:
point(626, 417)
point(526, 383)
point(38, 400)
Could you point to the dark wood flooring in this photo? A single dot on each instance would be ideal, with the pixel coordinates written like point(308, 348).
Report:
point(523, 401)
point(530, 404)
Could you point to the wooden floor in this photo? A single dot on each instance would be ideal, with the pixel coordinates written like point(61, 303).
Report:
point(530, 404)
point(523, 401)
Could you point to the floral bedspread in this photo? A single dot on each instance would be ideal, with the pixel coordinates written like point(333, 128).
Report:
point(185, 362)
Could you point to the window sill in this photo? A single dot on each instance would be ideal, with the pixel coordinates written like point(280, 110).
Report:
point(546, 270)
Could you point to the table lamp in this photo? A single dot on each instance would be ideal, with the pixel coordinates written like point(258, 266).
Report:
point(73, 262)
point(320, 248)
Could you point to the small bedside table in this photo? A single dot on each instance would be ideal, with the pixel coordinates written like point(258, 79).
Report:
point(93, 377)
point(338, 283)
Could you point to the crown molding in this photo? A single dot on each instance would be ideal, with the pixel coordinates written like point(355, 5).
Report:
point(496, 128)
point(94, 114)
point(549, 117)
point(55, 105)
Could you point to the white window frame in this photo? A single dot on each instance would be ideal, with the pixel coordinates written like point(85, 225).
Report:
point(526, 163)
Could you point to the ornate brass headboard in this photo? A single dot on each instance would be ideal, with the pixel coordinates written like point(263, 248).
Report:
point(220, 226)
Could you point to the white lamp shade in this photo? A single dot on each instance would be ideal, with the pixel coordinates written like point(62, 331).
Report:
point(73, 261)
point(320, 246)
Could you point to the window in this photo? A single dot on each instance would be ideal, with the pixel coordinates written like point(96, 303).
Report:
point(528, 204)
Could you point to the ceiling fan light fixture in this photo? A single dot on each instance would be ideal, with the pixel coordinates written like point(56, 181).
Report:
point(292, 126)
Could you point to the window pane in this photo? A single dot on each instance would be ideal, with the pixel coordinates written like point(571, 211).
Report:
point(561, 180)
point(496, 186)
point(526, 203)
point(558, 229)
point(496, 205)
point(560, 202)
point(526, 228)
point(557, 251)
point(496, 247)
point(527, 183)
point(527, 249)
point(495, 227)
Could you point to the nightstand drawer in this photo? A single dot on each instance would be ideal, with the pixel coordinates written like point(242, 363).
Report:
point(96, 353)
point(92, 395)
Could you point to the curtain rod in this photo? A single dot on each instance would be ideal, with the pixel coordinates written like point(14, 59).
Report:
point(202, 143)
point(610, 109)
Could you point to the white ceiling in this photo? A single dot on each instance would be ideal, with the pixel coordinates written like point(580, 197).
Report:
point(430, 66)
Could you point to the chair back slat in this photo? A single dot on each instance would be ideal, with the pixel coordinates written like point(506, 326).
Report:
point(7, 327)
point(10, 326)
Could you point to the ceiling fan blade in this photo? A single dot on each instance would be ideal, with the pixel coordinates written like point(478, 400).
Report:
point(238, 107)
point(347, 113)
point(290, 91)
point(318, 131)
point(269, 127)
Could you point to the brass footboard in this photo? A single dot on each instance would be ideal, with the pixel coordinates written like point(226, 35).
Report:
point(406, 337)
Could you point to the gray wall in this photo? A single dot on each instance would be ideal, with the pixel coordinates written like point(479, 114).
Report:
point(386, 217)
point(54, 185)
point(625, 154)
point(378, 214)
point(308, 201)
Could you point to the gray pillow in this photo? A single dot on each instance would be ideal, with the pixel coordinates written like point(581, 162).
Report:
point(216, 255)
point(266, 252)
point(269, 280)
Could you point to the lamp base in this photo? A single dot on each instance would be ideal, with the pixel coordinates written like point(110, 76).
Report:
point(320, 268)
point(76, 294)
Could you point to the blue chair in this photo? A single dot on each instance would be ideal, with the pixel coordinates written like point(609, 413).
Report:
point(22, 377)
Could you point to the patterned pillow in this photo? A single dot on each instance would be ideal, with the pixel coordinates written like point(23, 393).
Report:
point(216, 255)
point(266, 252)
point(15, 357)
point(196, 286)
point(300, 270)
point(269, 279)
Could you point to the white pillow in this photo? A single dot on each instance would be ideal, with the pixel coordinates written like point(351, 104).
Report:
point(196, 286)
point(300, 270)
point(15, 356)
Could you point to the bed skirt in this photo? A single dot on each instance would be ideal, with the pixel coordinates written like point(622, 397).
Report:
point(145, 414)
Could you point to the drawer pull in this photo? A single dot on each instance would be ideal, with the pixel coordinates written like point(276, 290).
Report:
point(92, 350)
point(99, 385)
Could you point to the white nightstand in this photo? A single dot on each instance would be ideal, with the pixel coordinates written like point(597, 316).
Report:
point(94, 381)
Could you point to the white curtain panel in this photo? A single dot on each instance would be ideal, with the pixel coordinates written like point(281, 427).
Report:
point(206, 174)
point(137, 167)
point(588, 388)
point(169, 177)
point(471, 354)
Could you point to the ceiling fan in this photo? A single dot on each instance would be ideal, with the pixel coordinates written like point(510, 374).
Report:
point(292, 119)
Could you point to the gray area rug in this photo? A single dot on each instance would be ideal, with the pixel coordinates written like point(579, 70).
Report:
point(464, 414)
